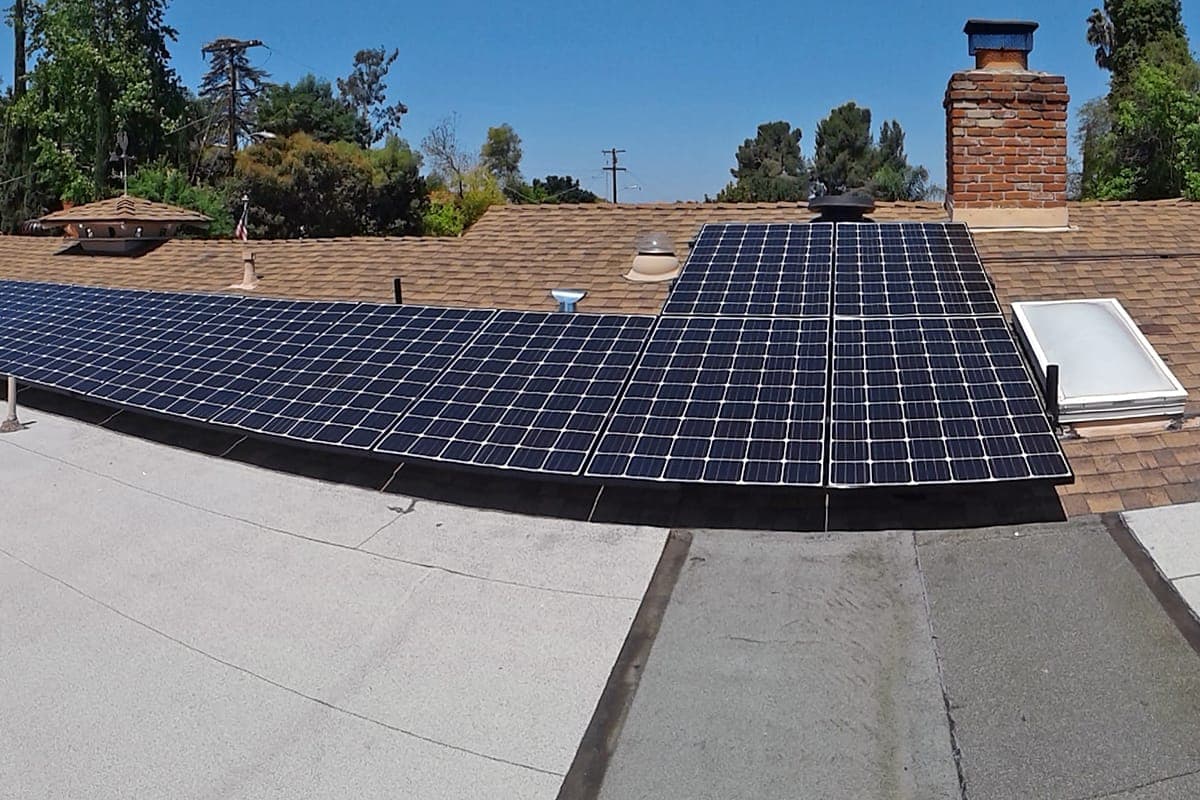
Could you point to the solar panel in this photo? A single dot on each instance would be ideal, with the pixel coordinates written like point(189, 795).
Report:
point(925, 401)
point(909, 269)
point(774, 270)
point(223, 358)
point(348, 383)
point(723, 400)
point(98, 341)
point(531, 392)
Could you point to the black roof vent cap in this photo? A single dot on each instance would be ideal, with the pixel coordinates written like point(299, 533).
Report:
point(850, 207)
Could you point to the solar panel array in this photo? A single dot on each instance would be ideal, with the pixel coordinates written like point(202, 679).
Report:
point(909, 269)
point(786, 354)
point(923, 401)
point(349, 382)
point(771, 270)
point(723, 400)
point(531, 392)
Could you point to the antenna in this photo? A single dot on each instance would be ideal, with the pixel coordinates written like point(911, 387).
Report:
point(122, 154)
point(614, 169)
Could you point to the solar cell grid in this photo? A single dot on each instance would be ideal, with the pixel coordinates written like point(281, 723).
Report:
point(756, 270)
point(531, 392)
point(224, 357)
point(909, 269)
point(924, 401)
point(349, 383)
point(95, 341)
point(723, 400)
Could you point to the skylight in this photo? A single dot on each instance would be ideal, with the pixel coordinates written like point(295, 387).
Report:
point(1107, 368)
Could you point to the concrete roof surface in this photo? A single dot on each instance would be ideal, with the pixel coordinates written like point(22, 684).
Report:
point(1000, 663)
point(179, 625)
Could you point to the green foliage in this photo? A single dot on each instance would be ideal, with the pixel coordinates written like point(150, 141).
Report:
point(770, 167)
point(301, 187)
point(1127, 33)
point(214, 87)
point(849, 159)
point(501, 154)
point(846, 157)
point(1140, 142)
point(365, 91)
point(102, 66)
point(444, 219)
point(310, 107)
point(551, 189)
point(163, 183)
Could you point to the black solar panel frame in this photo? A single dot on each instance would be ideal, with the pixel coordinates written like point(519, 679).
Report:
point(644, 410)
point(756, 269)
point(959, 429)
point(328, 412)
point(909, 269)
point(519, 399)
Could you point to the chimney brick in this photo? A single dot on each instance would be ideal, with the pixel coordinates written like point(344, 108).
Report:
point(1006, 146)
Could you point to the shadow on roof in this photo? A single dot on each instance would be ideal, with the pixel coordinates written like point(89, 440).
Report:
point(661, 505)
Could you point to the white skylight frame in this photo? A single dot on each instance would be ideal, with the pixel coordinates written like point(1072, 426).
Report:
point(1158, 402)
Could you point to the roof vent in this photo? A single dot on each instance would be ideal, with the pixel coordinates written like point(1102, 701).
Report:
point(655, 260)
point(850, 207)
point(121, 225)
point(568, 298)
point(999, 44)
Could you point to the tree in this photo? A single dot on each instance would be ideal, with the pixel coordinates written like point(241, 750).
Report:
point(501, 154)
point(102, 66)
point(1127, 32)
point(164, 183)
point(894, 179)
point(845, 156)
point(770, 167)
point(215, 87)
point(450, 162)
point(310, 107)
point(365, 91)
point(551, 189)
point(301, 187)
point(1138, 143)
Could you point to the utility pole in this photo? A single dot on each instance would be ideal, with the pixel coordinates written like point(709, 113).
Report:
point(231, 48)
point(614, 169)
point(19, 65)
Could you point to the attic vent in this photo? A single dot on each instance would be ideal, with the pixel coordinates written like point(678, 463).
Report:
point(121, 225)
point(655, 259)
point(1107, 368)
point(842, 207)
point(568, 298)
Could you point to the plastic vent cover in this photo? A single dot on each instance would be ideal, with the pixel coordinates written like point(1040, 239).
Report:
point(1107, 368)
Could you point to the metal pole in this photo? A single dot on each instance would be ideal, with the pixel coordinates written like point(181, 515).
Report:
point(1052, 393)
point(11, 423)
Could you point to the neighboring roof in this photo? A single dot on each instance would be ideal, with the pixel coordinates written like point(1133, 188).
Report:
point(1145, 254)
point(125, 208)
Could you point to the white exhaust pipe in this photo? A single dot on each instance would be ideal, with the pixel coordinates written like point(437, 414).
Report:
point(11, 423)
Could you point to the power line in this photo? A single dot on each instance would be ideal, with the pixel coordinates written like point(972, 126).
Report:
point(614, 169)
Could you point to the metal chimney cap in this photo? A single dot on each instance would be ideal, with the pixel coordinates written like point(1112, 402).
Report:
point(655, 243)
point(842, 207)
point(567, 298)
point(999, 34)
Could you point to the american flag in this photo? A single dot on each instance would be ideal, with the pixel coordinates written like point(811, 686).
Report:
point(241, 231)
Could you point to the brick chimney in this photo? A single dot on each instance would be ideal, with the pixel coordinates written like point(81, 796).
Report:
point(1006, 134)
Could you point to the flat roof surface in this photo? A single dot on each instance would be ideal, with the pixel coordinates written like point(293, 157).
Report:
point(175, 623)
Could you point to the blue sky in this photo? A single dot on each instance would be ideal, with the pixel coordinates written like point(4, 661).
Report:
point(677, 85)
